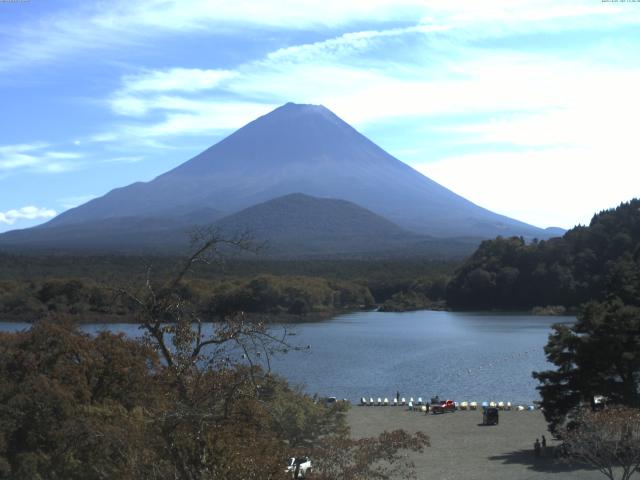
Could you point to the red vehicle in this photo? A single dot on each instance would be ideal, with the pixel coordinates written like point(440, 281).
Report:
point(442, 406)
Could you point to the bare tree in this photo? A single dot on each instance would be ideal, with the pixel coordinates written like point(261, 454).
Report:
point(211, 364)
point(608, 440)
point(175, 328)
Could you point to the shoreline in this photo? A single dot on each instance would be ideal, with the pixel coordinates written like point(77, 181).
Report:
point(268, 318)
point(106, 319)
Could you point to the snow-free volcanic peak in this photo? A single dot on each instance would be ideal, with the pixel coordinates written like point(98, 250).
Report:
point(306, 149)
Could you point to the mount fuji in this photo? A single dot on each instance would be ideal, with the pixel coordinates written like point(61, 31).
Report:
point(295, 149)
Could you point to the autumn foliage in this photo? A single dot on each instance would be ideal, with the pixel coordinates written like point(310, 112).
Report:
point(608, 440)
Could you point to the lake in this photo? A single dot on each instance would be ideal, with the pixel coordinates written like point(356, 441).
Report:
point(464, 356)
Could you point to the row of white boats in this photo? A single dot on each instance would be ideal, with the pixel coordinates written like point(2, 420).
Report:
point(380, 402)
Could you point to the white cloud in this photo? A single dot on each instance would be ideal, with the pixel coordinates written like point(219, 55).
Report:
point(121, 24)
point(341, 74)
point(296, 14)
point(202, 14)
point(568, 161)
point(565, 100)
point(346, 44)
point(570, 109)
point(18, 156)
point(315, 67)
point(131, 105)
point(25, 213)
point(180, 79)
point(203, 117)
point(548, 187)
point(147, 90)
point(36, 157)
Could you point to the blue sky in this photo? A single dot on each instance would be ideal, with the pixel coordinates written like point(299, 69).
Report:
point(528, 108)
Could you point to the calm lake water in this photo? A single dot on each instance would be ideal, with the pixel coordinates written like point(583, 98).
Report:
point(464, 356)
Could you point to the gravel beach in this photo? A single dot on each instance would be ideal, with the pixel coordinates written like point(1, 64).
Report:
point(461, 448)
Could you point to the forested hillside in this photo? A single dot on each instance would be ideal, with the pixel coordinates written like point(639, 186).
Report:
point(596, 262)
point(86, 286)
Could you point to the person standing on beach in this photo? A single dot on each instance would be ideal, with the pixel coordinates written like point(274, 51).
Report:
point(398, 395)
point(544, 442)
point(536, 448)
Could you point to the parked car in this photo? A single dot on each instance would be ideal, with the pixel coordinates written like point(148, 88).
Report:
point(490, 416)
point(441, 406)
point(299, 467)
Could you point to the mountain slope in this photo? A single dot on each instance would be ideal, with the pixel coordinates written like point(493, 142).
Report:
point(294, 225)
point(308, 149)
point(117, 234)
point(300, 224)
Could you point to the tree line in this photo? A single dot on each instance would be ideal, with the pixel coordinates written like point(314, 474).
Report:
point(596, 262)
point(85, 288)
point(264, 294)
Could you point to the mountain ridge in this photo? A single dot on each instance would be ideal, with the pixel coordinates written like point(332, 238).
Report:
point(307, 149)
point(295, 148)
point(291, 226)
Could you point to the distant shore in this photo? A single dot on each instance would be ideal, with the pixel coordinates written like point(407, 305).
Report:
point(462, 449)
point(270, 318)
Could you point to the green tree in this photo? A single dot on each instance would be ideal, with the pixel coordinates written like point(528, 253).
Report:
point(598, 355)
point(597, 262)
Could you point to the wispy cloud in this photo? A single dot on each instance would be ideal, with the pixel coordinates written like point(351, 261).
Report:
point(225, 99)
point(522, 96)
point(19, 155)
point(148, 89)
point(30, 212)
point(428, 67)
point(358, 75)
point(121, 24)
point(202, 117)
point(37, 157)
point(176, 79)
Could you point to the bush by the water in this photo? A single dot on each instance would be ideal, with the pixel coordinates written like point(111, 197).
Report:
point(409, 301)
